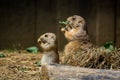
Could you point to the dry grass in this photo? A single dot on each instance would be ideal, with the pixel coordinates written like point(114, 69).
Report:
point(94, 58)
point(21, 66)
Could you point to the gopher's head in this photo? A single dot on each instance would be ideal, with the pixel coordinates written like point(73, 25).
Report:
point(75, 28)
point(47, 41)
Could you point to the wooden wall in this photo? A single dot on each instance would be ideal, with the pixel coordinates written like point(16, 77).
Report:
point(117, 24)
point(16, 23)
point(23, 21)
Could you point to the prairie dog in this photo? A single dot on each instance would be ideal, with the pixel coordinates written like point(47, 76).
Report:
point(75, 29)
point(73, 46)
point(48, 43)
point(76, 33)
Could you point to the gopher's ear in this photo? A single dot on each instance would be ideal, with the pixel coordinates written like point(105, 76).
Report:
point(74, 16)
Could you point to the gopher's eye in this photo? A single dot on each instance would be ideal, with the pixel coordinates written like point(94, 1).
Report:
point(46, 35)
point(73, 18)
point(79, 21)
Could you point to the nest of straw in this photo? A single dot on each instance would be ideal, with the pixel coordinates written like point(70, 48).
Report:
point(94, 58)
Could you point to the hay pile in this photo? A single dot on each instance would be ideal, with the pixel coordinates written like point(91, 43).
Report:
point(94, 58)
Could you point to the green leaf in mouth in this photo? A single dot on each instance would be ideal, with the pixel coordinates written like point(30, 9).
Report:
point(63, 22)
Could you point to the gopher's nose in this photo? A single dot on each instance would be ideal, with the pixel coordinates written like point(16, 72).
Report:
point(39, 40)
point(42, 40)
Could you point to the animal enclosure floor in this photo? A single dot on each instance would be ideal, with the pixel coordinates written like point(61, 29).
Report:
point(19, 66)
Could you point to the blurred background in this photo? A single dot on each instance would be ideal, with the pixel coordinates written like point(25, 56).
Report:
point(23, 21)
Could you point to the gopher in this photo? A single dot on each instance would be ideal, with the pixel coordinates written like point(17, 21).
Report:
point(76, 33)
point(48, 43)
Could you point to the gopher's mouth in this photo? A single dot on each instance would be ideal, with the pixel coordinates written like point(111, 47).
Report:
point(43, 41)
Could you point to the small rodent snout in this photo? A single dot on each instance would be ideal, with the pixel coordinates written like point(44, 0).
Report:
point(39, 40)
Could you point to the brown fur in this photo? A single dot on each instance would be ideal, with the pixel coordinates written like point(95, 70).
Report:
point(48, 43)
point(76, 33)
point(73, 46)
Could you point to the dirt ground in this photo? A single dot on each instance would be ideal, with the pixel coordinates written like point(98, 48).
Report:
point(19, 65)
point(22, 65)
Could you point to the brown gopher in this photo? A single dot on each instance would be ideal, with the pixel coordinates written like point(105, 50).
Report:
point(48, 43)
point(76, 33)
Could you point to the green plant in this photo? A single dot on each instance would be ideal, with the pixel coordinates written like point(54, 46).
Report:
point(108, 46)
point(63, 22)
point(38, 63)
point(10, 50)
point(2, 55)
point(23, 68)
point(32, 49)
